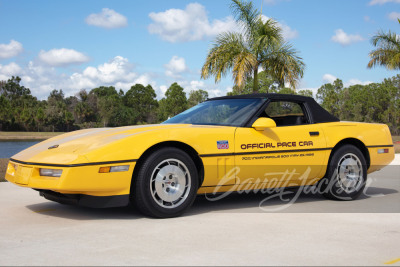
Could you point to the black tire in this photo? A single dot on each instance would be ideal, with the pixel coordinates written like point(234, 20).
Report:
point(166, 184)
point(346, 175)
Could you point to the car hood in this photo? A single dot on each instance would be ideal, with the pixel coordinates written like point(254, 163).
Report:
point(73, 147)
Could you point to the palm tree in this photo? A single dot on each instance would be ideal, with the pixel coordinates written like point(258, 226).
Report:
point(388, 50)
point(258, 44)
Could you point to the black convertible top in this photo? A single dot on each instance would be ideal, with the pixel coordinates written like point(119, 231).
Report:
point(318, 113)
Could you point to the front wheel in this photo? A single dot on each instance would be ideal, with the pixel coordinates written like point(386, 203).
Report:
point(166, 183)
point(347, 174)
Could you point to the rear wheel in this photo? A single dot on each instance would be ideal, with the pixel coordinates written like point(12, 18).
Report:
point(166, 183)
point(347, 174)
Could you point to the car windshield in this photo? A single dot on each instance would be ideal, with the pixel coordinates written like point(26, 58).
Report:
point(227, 112)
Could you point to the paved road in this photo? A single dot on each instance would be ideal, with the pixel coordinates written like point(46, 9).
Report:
point(233, 231)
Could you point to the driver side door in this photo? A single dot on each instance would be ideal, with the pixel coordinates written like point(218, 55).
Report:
point(290, 154)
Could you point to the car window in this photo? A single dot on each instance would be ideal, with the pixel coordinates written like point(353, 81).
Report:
point(229, 112)
point(286, 113)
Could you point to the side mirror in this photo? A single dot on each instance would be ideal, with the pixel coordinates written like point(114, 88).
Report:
point(263, 123)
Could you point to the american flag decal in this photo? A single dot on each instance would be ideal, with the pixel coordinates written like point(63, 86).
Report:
point(223, 144)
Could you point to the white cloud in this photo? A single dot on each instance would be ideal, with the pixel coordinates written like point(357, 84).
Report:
point(191, 24)
point(116, 70)
point(346, 39)
point(194, 85)
point(10, 50)
point(144, 79)
point(287, 32)
point(108, 19)
point(161, 91)
point(328, 78)
point(394, 16)
point(10, 69)
point(175, 67)
point(213, 89)
point(7, 71)
point(177, 25)
point(62, 57)
point(356, 81)
point(42, 79)
point(381, 2)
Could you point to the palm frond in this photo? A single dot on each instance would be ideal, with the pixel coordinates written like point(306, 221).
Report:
point(268, 35)
point(246, 15)
point(244, 64)
point(284, 65)
point(387, 53)
point(388, 58)
point(260, 43)
point(386, 39)
point(224, 54)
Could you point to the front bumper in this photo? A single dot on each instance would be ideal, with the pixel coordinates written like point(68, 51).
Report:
point(79, 180)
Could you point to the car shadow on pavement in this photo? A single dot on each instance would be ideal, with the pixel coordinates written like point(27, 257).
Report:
point(232, 203)
point(72, 212)
point(376, 192)
point(293, 202)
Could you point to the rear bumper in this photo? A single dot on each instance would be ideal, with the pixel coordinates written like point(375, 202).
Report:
point(86, 200)
point(378, 161)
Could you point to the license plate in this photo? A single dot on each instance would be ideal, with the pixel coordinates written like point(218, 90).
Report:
point(23, 175)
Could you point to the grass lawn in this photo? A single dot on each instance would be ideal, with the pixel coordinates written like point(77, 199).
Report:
point(27, 135)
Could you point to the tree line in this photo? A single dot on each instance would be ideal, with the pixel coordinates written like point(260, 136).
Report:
point(103, 106)
point(375, 102)
point(106, 107)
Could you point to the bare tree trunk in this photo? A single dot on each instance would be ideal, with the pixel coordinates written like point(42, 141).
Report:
point(255, 84)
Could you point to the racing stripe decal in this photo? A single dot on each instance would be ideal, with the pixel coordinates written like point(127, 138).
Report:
point(264, 152)
point(201, 155)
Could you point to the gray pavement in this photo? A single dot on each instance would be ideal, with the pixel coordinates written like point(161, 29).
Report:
point(232, 231)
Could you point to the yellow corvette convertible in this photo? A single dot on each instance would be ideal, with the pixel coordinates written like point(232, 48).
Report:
point(224, 144)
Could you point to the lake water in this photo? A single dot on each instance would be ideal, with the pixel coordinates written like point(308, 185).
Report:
point(10, 148)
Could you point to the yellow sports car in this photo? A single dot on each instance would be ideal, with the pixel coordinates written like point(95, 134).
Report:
point(224, 144)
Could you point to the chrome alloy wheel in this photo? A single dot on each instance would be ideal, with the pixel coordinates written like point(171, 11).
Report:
point(170, 183)
point(350, 172)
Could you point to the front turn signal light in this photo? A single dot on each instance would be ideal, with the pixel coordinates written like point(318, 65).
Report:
point(122, 168)
point(104, 170)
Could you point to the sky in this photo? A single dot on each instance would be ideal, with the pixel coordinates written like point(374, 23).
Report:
point(74, 45)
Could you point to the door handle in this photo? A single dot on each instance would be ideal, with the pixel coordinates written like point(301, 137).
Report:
point(314, 133)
